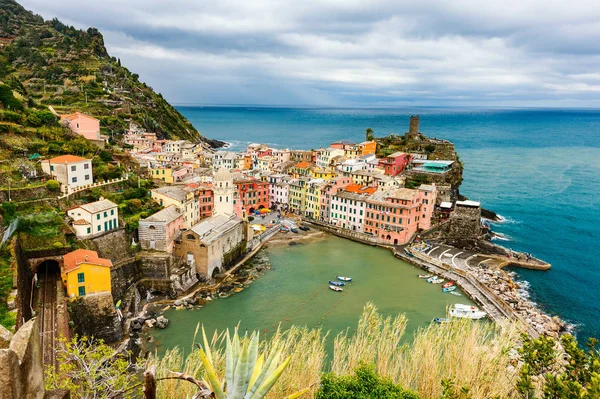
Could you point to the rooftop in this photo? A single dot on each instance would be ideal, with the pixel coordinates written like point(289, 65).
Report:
point(213, 227)
point(167, 215)
point(67, 159)
point(177, 193)
point(469, 203)
point(75, 115)
point(98, 206)
point(72, 260)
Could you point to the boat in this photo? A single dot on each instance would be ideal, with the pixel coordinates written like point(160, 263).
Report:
point(336, 283)
point(304, 228)
point(438, 281)
point(432, 279)
point(455, 293)
point(294, 230)
point(341, 278)
point(442, 320)
point(466, 312)
point(284, 229)
point(425, 276)
point(448, 289)
point(448, 284)
point(337, 289)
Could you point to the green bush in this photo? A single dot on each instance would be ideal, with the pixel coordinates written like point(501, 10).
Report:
point(364, 384)
point(8, 99)
point(52, 185)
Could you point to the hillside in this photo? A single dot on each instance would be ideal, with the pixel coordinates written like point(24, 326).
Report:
point(47, 63)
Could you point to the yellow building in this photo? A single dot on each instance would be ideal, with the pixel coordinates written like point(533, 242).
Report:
point(162, 173)
point(297, 194)
point(312, 201)
point(85, 273)
point(325, 174)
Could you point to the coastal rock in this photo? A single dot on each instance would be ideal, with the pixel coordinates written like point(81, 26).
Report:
point(178, 303)
point(137, 324)
point(162, 322)
point(150, 323)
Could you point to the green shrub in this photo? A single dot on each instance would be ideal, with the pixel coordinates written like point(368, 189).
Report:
point(365, 384)
point(8, 99)
point(52, 185)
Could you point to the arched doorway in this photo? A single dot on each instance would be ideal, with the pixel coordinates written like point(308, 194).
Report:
point(395, 241)
point(215, 272)
point(251, 210)
point(261, 206)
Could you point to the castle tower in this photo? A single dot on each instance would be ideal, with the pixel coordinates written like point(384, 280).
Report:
point(224, 190)
point(414, 126)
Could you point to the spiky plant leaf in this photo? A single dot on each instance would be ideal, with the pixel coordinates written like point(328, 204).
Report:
point(240, 379)
point(270, 366)
point(271, 380)
point(298, 394)
point(253, 353)
point(256, 370)
point(229, 361)
point(206, 345)
point(213, 380)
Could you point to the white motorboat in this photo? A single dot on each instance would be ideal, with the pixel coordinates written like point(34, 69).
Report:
point(334, 288)
point(466, 312)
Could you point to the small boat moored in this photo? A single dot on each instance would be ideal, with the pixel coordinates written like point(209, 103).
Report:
point(438, 281)
point(448, 284)
point(336, 283)
point(442, 320)
point(341, 278)
point(425, 276)
point(467, 312)
point(294, 230)
point(304, 228)
point(448, 289)
point(337, 289)
point(432, 279)
point(455, 293)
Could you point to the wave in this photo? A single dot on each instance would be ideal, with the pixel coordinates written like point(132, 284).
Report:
point(504, 220)
point(501, 237)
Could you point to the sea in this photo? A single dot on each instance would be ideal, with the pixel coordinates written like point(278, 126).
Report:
point(537, 168)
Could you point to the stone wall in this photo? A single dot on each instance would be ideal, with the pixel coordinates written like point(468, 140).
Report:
point(124, 274)
point(96, 315)
point(114, 245)
point(27, 193)
point(464, 225)
point(24, 281)
point(21, 367)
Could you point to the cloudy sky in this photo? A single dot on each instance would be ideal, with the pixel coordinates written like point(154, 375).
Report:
point(352, 52)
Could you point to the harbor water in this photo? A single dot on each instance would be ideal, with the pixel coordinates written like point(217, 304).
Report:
point(295, 291)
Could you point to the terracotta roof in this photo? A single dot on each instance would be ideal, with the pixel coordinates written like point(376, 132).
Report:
point(72, 260)
point(67, 159)
point(303, 165)
point(98, 206)
point(356, 188)
point(80, 222)
point(75, 115)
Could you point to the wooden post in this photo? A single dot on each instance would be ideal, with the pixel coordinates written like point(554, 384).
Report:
point(150, 382)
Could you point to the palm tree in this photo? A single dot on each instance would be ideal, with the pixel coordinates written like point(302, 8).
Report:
point(370, 135)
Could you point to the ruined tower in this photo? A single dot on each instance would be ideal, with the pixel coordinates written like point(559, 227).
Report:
point(413, 130)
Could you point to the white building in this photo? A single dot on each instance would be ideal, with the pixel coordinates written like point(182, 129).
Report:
point(94, 218)
point(174, 145)
point(69, 170)
point(224, 159)
point(348, 210)
point(325, 155)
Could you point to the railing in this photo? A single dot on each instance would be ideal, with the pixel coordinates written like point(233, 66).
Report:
point(73, 190)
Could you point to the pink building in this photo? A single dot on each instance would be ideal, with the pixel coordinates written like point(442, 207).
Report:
point(181, 172)
point(205, 199)
point(428, 199)
point(159, 145)
point(393, 216)
point(395, 163)
point(264, 152)
point(158, 231)
point(328, 191)
point(84, 125)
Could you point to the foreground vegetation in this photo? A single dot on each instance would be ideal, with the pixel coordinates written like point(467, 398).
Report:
point(458, 360)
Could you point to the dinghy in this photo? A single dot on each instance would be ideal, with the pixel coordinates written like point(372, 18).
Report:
point(448, 284)
point(438, 281)
point(337, 289)
point(432, 279)
point(441, 320)
point(425, 276)
point(448, 289)
point(341, 278)
point(336, 283)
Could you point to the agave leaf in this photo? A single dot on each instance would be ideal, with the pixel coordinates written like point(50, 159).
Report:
point(212, 376)
point(298, 394)
point(271, 380)
point(206, 346)
point(256, 370)
point(270, 365)
point(229, 361)
point(253, 353)
point(240, 379)
point(195, 335)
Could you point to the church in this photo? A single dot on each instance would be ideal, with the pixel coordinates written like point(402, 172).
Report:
point(215, 243)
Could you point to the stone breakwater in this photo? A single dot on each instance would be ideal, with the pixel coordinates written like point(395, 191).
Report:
point(504, 286)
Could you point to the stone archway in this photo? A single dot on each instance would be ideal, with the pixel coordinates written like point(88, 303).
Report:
point(48, 267)
point(389, 237)
point(215, 272)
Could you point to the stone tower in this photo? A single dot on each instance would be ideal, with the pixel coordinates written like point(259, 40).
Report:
point(224, 190)
point(413, 130)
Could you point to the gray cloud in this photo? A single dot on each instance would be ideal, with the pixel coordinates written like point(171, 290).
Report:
point(351, 52)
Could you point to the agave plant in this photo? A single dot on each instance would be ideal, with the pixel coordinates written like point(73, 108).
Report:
point(248, 374)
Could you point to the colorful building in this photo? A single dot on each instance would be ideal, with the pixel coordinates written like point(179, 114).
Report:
point(83, 125)
point(348, 207)
point(368, 147)
point(85, 273)
point(158, 231)
point(312, 200)
point(94, 218)
point(328, 190)
point(69, 170)
point(395, 163)
point(253, 193)
point(325, 174)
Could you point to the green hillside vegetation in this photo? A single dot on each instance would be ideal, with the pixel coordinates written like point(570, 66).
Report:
point(47, 63)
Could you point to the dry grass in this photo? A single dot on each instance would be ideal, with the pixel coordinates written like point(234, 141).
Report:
point(471, 354)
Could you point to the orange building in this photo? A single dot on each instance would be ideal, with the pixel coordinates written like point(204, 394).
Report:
point(368, 147)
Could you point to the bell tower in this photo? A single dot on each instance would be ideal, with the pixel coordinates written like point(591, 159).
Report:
point(224, 190)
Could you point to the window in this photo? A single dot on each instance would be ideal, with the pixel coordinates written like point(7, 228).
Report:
point(77, 125)
point(99, 227)
point(82, 291)
point(112, 212)
point(73, 168)
point(87, 177)
point(51, 167)
point(80, 278)
point(89, 230)
point(86, 166)
point(74, 180)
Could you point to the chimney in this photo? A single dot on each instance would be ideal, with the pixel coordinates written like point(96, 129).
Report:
point(86, 258)
point(414, 125)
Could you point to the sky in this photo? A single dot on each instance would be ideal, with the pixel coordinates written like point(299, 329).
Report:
point(524, 53)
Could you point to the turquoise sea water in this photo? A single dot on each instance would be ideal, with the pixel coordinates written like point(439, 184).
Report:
point(540, 169)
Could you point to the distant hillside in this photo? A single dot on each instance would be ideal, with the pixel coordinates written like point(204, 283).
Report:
point(47, 63)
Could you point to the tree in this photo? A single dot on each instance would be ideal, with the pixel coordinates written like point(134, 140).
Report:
point(52, 185)
point(370, 135)
point(91, 370)
point(365, 383)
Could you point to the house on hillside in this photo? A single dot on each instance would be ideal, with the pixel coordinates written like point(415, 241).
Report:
point(158, 231)
point(69, 170)
point(84, 125)
point(85, 273)
point(94, 218)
